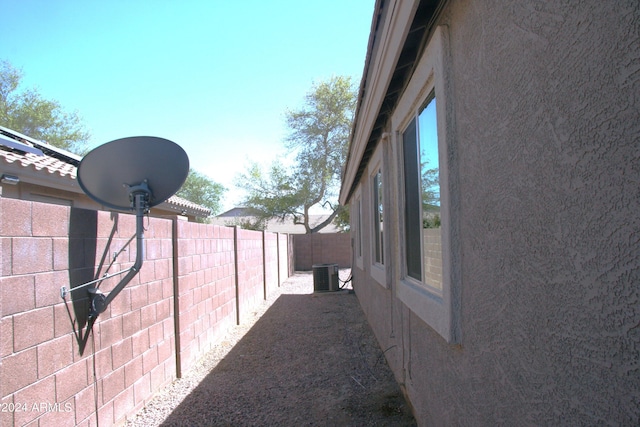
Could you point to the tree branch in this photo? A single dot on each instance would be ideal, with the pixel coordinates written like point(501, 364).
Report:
point(324, 223)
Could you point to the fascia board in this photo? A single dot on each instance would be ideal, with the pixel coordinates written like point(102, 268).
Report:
point(394, 33)
point(30, 175)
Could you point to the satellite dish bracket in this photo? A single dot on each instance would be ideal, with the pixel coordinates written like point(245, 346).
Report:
point(104, 175)
point(98, 302)
point(141, 189)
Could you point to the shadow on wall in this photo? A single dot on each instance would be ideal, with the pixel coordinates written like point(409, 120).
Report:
point(83, 232)
point(309, 359)
point(83, 247)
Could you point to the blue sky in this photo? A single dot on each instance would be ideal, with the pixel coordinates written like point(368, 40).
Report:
point(214, 76)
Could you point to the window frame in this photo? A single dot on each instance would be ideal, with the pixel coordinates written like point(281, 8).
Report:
point(418, 205)
point(357, 229)
point(440, 310)
point(378, 269)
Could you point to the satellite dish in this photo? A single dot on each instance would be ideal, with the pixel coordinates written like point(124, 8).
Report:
point(133, 173)
point(110, 172)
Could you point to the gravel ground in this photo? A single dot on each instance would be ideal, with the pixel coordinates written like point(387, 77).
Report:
point(303, 358)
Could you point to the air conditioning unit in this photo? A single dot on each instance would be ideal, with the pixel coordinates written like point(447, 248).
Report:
point(325, 278)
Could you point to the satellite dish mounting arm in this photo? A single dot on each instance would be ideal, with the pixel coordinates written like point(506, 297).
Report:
point(141, 160)
point(99, 302)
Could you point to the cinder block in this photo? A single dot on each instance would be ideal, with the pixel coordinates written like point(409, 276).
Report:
point(160, 228)
point(54, 355)
point(108, 331)
point(84, 403)
point(158, 378)
point(147, 272)
point(63, 324)
point(121, 353)
point(154, 292)
point(142, 389)
point(163, 309)
point(6, 337)
point(140, 342)
point(165, 350)
point(47, 287)
point(122, 303)
point(32, 255)
point(123, 403)
point(131, 323)
point(18, 294)
point(15, 218)
point(32, 327)
point(163, 268)
point(168, 329)
point(59, 414)
point(105, 415)
point(36, 397)
point(104, 362)
point(185, 302)
point(149, 360)
point(71, 380)
point(186, 247)
point(61, 253)
point(153, 249)
point(19, 370)
point(49, 220)
point(185, 265)
point(167, 288)
point(167, 249)
point(112, 384)
point(155, 334)
point(6, 268)
point(139, 296)
point(133, 371)
point(147, 316)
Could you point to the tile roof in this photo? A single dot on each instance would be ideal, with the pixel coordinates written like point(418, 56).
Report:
point(176, 202)
point(60, 163)
point(39, 163)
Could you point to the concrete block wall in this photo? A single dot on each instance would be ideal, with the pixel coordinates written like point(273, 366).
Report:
point(206, 298)
point(250, 279)
point(432, 242)
point(52, 371)
point(322, 248)
point(48, 356)
point(286, 259)
point(271, 268)
point(283, 241)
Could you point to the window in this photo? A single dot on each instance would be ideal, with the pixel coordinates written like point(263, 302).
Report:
point(378, 218)
point(423, 253)
point(423, 122)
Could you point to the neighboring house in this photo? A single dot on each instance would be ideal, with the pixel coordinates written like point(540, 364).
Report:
point(524, 307)
point(240, 215)
point(35, 171)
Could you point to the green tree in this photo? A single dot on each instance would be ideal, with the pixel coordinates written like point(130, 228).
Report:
point(430, 195)
point(199, 188)
point(318, 143)
point(27, 112)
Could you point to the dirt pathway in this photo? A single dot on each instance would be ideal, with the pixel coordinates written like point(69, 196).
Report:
point(305, 360)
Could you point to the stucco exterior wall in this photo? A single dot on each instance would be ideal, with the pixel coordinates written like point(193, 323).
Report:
point(546, 179)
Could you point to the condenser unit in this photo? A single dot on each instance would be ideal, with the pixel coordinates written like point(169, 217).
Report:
point(325, 278)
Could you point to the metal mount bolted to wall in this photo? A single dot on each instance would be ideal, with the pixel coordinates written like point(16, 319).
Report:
point(129, 174)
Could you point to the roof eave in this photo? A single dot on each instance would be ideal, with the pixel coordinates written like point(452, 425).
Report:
point(399, 31)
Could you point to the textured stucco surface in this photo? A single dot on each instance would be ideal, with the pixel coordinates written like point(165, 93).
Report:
point(547, 125)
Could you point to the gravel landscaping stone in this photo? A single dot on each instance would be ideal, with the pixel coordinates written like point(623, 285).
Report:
point(303, 359)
